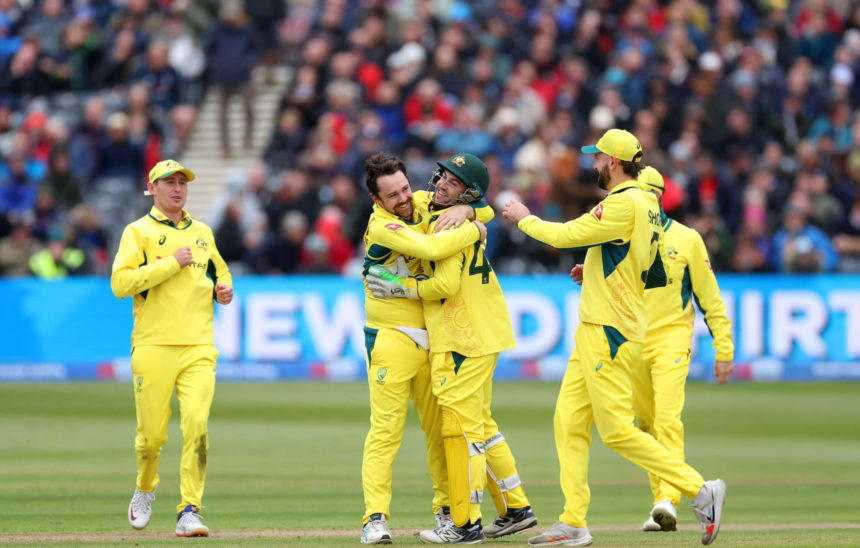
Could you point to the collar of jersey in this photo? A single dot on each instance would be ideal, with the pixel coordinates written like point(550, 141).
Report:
point(160, 217)
point(627, 185)
point(381, 211)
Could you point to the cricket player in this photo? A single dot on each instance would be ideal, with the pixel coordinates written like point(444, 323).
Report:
point(395, 335)
point(169, 263)
point(660, 374)
point(468, 325)
point(622, 234)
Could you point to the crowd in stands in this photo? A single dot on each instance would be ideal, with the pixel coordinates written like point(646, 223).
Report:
point(748, 109)
point(92, 94)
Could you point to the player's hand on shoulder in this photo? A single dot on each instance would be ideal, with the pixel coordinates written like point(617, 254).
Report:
point(482, 228)
point(576, 274)
point(452, 217)
point(223, 293)
point(183, 256)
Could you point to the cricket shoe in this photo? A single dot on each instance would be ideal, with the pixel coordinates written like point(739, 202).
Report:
point(664, 516)
point(443, 517)
point(514, 520)
point(708, 507)
point(376, 531)
point(453, 534)
point(140, 508)
point(189, 524)
point(562, 534)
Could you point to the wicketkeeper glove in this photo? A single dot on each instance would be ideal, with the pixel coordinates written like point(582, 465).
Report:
point(392, 282)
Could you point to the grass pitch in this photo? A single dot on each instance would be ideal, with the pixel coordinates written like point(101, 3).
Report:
point(285, 461)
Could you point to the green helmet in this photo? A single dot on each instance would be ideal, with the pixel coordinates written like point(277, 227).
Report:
point(471, 170)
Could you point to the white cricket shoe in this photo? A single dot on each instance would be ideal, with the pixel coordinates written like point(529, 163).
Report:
point(453, 534)
point(708, 507)
point(664, 515)
point(562, 534)
point(189, 524)
point(140, 508)
point(376, 531)
point(651, 525)
point(443, 518)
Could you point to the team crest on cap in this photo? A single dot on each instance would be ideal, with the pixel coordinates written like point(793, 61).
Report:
point(458, 161)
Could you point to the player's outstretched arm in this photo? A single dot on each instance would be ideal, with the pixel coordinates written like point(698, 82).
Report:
point(608, 222)
point(398, 237)
point(133, 272)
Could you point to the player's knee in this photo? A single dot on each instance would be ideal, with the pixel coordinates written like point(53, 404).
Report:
point(615, 437)
point(150, 444)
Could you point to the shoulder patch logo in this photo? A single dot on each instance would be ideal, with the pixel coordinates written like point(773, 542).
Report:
point(459, 161)
point(394, 227)
point(598, 211)
point(162, 239)
point(708, 264)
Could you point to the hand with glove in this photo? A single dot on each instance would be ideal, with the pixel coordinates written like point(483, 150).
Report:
point(392, 282)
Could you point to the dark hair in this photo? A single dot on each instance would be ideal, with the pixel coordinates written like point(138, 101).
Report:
point(380, 165)
point(632, 169)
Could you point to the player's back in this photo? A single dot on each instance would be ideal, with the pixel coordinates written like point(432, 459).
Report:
point(670, 306)
point(474, 320)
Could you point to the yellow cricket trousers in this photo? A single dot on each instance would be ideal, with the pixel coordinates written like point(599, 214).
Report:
point(397, 370)
point(503, 481)
point(460, 384)
point(597, 389)
point(658, 380)
point(157, 371)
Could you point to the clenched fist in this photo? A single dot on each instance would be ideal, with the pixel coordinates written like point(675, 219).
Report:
point(223, 293)
point(183, 256)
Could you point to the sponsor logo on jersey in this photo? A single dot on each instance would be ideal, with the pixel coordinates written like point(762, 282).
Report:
point(162, 239)
point(394, 227)
point(672, 253)
point(708, 264)
point(381, 375)
point(201, 243)
point(598, 211)
point(138, 387)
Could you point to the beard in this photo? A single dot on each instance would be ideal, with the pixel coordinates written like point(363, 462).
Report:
point(603, 178)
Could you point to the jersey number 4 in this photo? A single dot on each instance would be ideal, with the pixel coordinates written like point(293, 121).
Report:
point(484, 268)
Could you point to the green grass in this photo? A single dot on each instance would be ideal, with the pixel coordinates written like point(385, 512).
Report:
point(288, 456)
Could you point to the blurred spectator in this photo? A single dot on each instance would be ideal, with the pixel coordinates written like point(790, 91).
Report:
point(58, 259)
point(267, 16)
point(117, 156)
point(61, 184)
point(799, 246)
point(288, 140)
point(17, 248)
point(232, 50)
point(847, 241)
point(19, 184)
point(91, 238)
point(282, 253)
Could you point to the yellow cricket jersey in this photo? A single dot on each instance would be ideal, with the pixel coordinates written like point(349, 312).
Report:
point(172, 305)
point(388, 236)
point(464, 307)
point(670, 310)
point(622, 234)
